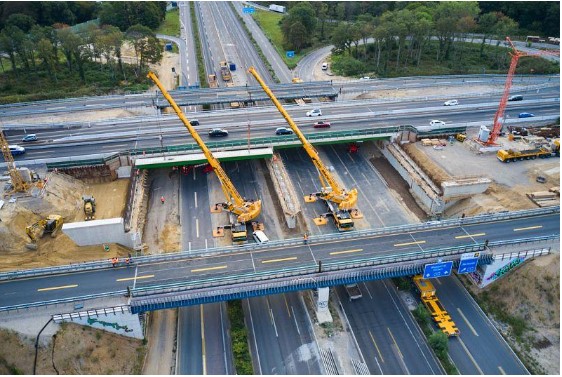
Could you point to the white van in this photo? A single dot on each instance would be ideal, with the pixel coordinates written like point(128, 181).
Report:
point(324, 66)
point(260, 236)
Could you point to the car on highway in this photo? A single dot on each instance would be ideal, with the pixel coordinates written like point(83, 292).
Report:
point(324, 66)
point(365, 78)
point(437, 123)
point(314, 113)
point(218, 132)
point(451, 102)
point(526, 115)
point(515, 98)
point(16, 149)
point(321, 124)
point(29, 137)
point(283, 131)
point(194, 122)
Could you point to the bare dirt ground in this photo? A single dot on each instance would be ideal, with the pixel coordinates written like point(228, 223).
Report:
point(73, 350)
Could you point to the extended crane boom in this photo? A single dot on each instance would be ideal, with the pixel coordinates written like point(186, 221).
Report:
point(17, 181)
point(245, 210)
point(331, 189)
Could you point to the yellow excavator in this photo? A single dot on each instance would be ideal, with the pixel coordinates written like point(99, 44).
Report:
point(51, 225)
point(341, 202)
point(244, 210)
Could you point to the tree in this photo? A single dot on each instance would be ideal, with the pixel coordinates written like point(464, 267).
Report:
point(342, 37)
point(8, 46)
point(125, 14)
point(300, 14)
point(446, 18)
point(147, 47)
point(45, 52)
point(440, 344)
point(22, 21)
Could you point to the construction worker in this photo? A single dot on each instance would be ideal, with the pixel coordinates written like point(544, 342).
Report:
point(127, 261)
point(162, 199)
point(114, 261)
point(305, 238)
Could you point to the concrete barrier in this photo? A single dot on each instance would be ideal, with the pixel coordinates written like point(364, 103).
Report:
point(96, 232)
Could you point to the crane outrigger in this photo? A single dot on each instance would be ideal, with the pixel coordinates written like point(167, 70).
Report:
point(244, 210)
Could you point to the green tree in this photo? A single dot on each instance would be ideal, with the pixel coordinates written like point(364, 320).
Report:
point(8, 46)
point(299, 14)
point(147, 47)
point(22, 21)
point(45, 52)
point(342, 37)
point(440, 344)
point(125, 14)
point(446, 18)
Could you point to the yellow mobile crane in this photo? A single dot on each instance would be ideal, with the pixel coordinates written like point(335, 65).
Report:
point(341, 202)
point(19, 185)
point(245, 210)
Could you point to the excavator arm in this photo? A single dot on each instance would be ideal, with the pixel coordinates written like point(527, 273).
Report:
point(331, 189)
point(245, 210)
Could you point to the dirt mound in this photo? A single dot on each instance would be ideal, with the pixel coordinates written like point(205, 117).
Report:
point(434, 171)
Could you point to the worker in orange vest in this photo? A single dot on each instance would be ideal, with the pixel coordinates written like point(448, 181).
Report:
point(114, 261)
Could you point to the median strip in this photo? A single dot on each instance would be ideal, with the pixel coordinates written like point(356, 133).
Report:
point(409, 243)
point(138, 277)
point(471, 235)
point(209, 268)
point(54, 288)
point(278, 260)
point(345, 251)
point(527, 228)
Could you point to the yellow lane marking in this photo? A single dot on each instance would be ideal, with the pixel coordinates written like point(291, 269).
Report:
point(377, 347)
point(345, 251)
point(278, 260)
point(527, 228)
point(396, 344)
point(471, 235)
point(287, 305)
point(409, 243)
point(467, 322)
point(501, 370)
point(470, 356)
point(209, 268)
point(138, 277)
point(53, 288)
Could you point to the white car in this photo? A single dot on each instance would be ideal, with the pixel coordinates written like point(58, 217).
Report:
point(437, 123)
point(314, 113)
point(451, 102)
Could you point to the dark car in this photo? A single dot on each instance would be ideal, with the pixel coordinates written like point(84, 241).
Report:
point(218, 132)
point(29, 137)
point(515, 98)
point(321, 124)
point(283, 131)
point(526, 115)
point(194, 122)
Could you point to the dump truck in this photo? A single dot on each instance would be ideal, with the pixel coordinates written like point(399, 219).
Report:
point(225, 71)
point(213, 81)
point(353, 291)
point(508, 155)
point(89, 207)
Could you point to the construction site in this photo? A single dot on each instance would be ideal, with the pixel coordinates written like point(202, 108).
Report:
point(122, 208)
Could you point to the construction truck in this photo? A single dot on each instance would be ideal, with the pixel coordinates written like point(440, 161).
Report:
point(340, 201)
point(434, 306)
point(296, 80)
point(213, 81)
point(353, 291)
point(51, 225)
point(225, 71)
point(89, 207)
point(508, 155)
point(241, 210)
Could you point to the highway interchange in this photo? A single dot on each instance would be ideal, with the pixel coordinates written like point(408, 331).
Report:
point(386, 334)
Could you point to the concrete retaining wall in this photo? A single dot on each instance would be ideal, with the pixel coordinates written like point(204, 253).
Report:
point(464, 188)
point(118, 320)
point(97, 232)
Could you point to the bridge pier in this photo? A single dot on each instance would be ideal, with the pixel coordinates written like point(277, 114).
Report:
point(322, 310)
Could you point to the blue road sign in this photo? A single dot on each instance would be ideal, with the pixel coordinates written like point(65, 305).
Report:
point(468, 263)
point(437, 270)
point(248, 10)
point(290, 54)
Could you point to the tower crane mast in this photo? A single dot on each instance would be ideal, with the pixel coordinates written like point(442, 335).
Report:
point(515, 55)
point(245, 210)
point(332, 190)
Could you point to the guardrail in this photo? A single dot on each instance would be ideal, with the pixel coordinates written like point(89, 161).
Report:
point(101, 264)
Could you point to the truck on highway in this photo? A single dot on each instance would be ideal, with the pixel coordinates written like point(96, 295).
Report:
point(225, 71)
point(353, 291)
point(508, 155)
point(277, 8)
point(213, 81)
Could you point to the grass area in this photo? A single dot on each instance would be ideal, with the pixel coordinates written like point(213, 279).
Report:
point(39, 85)
point(239, 335)
point(198, 49)
point(171, 24)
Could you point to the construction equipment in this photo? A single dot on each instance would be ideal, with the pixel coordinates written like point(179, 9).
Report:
point(213, 81)
point(18, 184)
point(432, 303)
point(461, 137)
point(244, 210)
point(508, 155)
point(498, 118)
point(296, 80)
point(225, 71)
point(89, 207)
point(340, 202)
point(51, 225)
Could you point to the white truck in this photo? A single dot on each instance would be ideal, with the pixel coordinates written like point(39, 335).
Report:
point(277, 8)
point(353, 291)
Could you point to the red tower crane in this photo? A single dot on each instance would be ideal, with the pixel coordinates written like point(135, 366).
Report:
point(515, 55)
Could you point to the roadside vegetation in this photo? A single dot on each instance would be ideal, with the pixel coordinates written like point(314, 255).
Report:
point(239, 335)
point(171, 24)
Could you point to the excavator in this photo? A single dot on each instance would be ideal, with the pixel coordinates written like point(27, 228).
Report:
point(242, 210)
point(89, 207)
point(52, 224)
point(340, 202)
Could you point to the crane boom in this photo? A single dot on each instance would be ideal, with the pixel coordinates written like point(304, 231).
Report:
point(17, 181)
point(331, 189)
point(246, 210)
